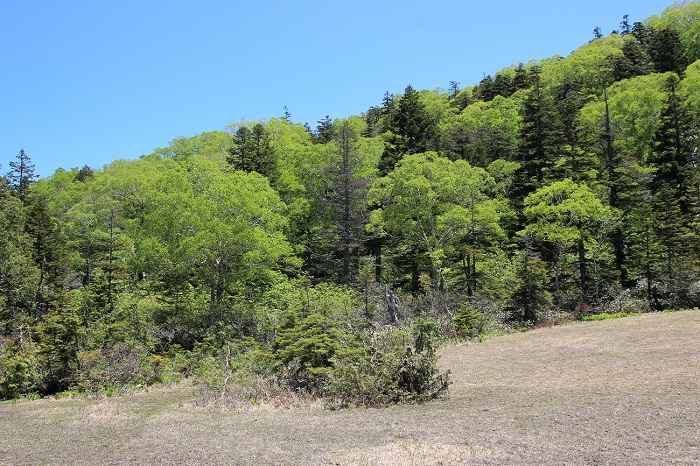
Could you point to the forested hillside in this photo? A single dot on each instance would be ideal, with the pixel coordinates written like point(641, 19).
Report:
point(274, 256)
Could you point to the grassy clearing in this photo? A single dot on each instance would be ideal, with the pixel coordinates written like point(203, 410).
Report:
point(621, 391)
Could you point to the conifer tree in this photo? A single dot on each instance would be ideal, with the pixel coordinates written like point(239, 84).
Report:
point(21, 176)
point(666, 51)
point(535, 152)
point(411, 131)
point(674, 186)
point(324, 131)
point(252, 151)
point(48, 251)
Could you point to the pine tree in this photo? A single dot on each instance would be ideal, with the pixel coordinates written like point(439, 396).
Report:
point(641, 33)
point(530, 296)
point(373, 126)
point(521, 79)
point(575, 160)
point(453, 90)
point(18, 273)
point(411, 131)
point(339, 195)
point(666, 51)
point(324, 131)
point(486, 89)
point(625, 27)
point(252, 151)
point(21, 176)
point(674, 186)
point(634, 61)
point(536, 143)
point(49, 253)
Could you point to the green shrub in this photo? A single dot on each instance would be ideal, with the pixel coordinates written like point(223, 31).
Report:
point(469, 323)
point(19, 370)
point(390, 371)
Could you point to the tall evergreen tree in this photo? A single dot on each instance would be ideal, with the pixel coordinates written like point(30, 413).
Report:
point(324, 131)
point(641, 33)
point(575, 160)
point(674, 185)
point(521, 80)
point(666, 51)
point(535, 152)
point(18, 274)
point(634, 61)
point(22, 175)
point(49, 253)
point(625, 27)
point(411, 130)
point(252, 151)
point(453, 90)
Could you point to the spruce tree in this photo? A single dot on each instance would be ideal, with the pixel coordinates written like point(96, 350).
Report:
point(252, 151)
point(411, 131)
point(535, 151)
point(675, 149)
point(49, 253)
point(666, 51)
point(674, 184)
point(21, 176)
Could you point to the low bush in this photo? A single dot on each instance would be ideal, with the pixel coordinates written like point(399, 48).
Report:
point(377, 367)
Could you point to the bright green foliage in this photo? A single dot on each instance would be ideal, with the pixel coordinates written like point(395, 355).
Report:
point(221, 230)
point(569, 215)
point(583, 65)
point(304, 349)
point(485, 132)
point(689, 87)
point(265, 257)
point(313, 328)
point(213, 145)
point(435, 211)
point(684, 18)
point(565, 212)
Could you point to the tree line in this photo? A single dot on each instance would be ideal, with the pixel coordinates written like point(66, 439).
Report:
point(315, 256)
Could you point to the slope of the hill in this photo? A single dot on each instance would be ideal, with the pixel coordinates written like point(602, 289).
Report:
point(621, 391)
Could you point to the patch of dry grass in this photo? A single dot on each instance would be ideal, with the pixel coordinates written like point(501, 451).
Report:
point(622, 391)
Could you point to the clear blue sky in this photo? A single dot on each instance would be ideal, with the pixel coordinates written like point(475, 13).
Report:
point(88, 82)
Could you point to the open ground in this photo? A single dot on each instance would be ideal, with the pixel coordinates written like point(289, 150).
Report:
point(624, 391)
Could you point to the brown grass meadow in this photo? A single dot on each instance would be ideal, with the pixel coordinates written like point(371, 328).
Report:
point(624, 391)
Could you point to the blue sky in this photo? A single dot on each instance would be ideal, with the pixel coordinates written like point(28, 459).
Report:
point(86, 83)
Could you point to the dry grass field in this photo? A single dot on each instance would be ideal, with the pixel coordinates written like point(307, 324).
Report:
point(623, 391)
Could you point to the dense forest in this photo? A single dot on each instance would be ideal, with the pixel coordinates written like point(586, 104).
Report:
point(276, 257)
